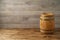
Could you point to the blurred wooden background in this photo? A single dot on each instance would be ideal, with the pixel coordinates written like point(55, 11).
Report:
point(26, 13)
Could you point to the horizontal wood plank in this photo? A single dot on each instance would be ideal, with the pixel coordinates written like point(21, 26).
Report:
point(31, 5)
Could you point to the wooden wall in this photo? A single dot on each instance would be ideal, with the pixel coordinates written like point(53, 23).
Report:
point(26, 13)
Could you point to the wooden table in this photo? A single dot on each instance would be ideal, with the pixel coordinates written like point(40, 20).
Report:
point(27, 34)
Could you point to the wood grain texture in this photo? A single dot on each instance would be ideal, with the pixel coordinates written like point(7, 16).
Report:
point(26, 12)
point(31, 5)
point(27, 34)
point(26, 18)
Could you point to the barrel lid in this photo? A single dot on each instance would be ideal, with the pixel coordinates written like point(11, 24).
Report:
point(47, 14)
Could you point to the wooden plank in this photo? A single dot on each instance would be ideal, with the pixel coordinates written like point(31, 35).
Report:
point(19, 26)
point(27, 34)
point(23, 19)
point(27, 13)
point(31, 5)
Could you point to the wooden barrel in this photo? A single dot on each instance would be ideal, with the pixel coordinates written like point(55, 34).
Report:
point(47, 23)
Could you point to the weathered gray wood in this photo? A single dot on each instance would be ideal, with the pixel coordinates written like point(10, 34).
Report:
point(19, 26)
point(31, 5)
point(26, 13)
point(25, 17)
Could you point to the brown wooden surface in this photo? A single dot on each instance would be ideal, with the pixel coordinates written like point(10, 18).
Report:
point(27, 34)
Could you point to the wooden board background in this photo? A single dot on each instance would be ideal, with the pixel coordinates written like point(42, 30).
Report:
point(26, 13)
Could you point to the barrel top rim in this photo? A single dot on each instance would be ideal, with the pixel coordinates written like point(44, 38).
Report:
point(47, 14)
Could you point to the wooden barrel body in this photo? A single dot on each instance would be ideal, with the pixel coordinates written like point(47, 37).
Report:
point(47, 23)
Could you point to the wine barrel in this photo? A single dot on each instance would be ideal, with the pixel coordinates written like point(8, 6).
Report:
point(47, 23)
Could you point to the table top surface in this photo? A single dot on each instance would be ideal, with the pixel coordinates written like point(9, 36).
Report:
point(27, 34)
